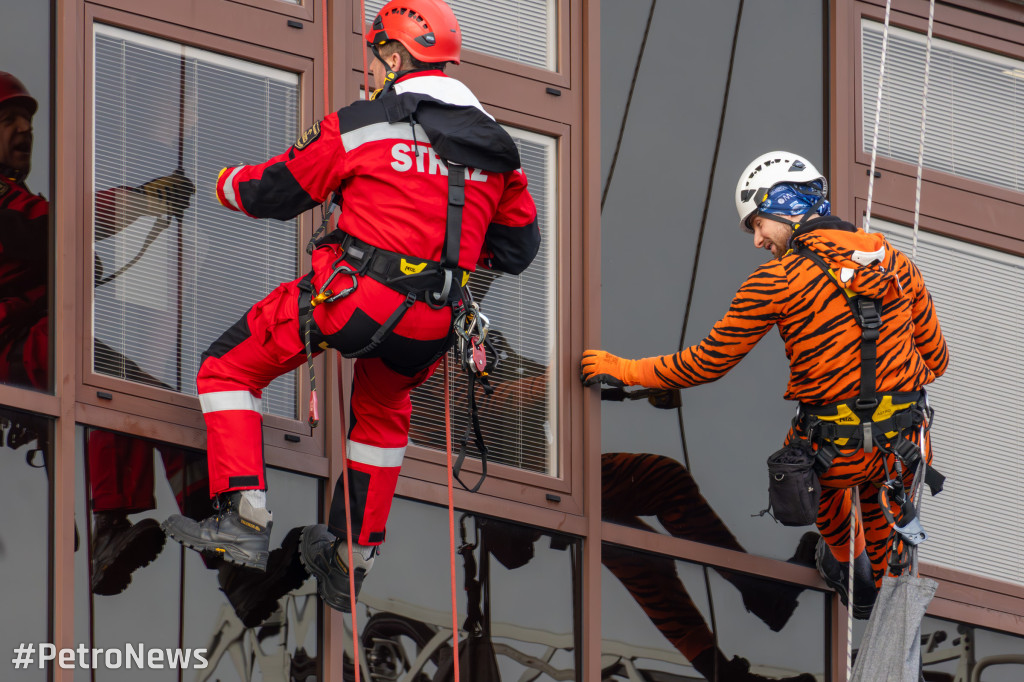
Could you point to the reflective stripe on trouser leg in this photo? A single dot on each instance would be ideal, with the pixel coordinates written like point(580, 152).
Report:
point(373, 476)
point(234, 440)
point(260, 347)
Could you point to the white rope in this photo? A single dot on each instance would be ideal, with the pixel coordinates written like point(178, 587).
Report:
point(924, 116)
point(878, 115)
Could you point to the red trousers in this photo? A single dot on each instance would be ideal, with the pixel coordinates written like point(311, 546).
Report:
point(267, 342)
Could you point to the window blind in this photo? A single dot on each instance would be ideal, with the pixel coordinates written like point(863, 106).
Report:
point(199, 275)
point(974, 524)
point(523, 31)
point(975, 124)
point(519, 420)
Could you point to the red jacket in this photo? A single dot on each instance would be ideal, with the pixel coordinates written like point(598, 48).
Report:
point(385, 158)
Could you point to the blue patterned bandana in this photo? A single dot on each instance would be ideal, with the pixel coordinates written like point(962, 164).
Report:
point(786, 199)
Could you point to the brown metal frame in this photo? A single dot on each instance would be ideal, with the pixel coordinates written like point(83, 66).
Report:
point(956, 207)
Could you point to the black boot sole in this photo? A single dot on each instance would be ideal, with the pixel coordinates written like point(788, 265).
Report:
point(115, 577)
point(227, 552)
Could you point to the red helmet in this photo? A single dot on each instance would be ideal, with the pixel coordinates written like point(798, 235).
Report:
point(13, 89)
point(427, 28)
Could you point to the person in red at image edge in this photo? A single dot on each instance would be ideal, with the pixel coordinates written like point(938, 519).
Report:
point(822, 266)
point(388, 159)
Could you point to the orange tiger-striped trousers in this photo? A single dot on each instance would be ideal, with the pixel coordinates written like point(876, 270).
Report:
point(853, 468)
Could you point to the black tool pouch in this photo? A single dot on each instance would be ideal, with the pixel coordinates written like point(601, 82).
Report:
point(793, 486)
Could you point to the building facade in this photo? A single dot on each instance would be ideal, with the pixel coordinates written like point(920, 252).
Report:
point(614, 538)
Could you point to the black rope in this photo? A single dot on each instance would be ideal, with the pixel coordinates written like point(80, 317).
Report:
point(693, 282)
point(704, 215)
point(629, 100)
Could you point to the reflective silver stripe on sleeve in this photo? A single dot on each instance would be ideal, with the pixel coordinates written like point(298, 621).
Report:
point(382, 131)
point(222, 401)
point(374, 456)
point(229, 188)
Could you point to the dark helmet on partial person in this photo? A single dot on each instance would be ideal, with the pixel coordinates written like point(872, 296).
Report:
point(13, 90)
point(428, 29)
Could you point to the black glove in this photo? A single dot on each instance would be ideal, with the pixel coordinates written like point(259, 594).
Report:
point(169, 195)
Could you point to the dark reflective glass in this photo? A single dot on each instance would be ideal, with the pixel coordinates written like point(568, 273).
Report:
point(25, 236)
point(728, 428)
point(960, 652)
point(25, 459)
point(518, 600)
point(674, 620)
point(133, 587)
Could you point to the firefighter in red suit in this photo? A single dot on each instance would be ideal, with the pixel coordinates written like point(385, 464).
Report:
point(384, 287)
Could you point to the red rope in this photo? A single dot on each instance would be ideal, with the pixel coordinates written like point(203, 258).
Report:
point(451, 520)
point(341, 399)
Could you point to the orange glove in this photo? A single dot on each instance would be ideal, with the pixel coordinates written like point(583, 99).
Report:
point(598, 366)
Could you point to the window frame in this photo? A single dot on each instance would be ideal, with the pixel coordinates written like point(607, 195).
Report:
point(152, 408)
point(961, 208)
point(560, 76)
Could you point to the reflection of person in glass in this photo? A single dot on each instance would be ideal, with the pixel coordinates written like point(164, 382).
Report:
point(118, 547)
point(862, 340)
point(384, 288)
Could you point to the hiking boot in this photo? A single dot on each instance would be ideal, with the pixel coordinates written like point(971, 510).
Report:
point(236, 532)
point(319, 552)
point(119, 547)
point(254, 595)
point(837, 575)
point(736, 670)
point(774, 602)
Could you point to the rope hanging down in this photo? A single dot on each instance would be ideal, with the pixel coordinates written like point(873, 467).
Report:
point(916, 498)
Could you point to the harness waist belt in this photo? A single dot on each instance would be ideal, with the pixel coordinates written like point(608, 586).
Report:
point(405, 274)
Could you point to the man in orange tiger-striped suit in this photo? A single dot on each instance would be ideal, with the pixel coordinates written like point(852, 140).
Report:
point(822, 267)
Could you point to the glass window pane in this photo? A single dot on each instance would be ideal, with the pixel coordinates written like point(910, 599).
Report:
point(133, 586)
point(977, 293)
point(173, 269)
point(523, 31)
point(668, 619)
point(520, 420)
point(971, 93)
point(653, 228)
point(25, 459)
point(958, 651)
point(517, 593)
point(25, 232)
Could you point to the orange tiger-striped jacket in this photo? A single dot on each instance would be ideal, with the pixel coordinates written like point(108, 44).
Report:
point(814, 319)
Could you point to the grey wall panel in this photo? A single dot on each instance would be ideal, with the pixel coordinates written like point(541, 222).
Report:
point(652, 217)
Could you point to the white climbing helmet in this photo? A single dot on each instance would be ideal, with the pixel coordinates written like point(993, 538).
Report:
point(766, 171)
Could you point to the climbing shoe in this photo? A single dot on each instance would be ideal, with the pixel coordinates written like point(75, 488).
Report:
point(254, 595)
point(321, 554)
point(119, 548)
point(713, 666)
point(837, 574)
point(236, 532)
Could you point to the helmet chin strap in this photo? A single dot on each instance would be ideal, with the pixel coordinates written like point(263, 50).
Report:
point(390, 76)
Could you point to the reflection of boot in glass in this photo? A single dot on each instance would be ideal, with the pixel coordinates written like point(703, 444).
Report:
point(255, 595)
point(119, 548)
point(736, 670)
point(325, 556)
point(771, 601)
point(238, 531)
point(837, 575)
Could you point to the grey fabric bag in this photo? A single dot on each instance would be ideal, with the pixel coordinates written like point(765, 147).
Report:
point(891, 647)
